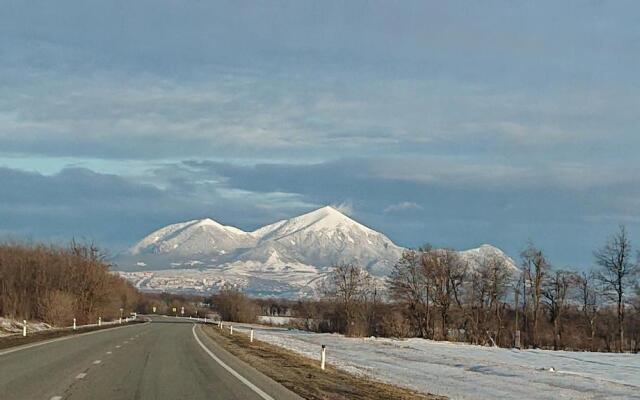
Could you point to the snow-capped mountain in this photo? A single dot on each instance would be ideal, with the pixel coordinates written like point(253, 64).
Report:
point(320, 239)
point(194, 238)
point(476, 257)
point(283, 258)
point(323, 238)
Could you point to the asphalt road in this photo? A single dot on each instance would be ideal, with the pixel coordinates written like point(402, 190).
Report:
point(167, 358)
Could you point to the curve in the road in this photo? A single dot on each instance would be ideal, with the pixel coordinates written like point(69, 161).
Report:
point(165, 359)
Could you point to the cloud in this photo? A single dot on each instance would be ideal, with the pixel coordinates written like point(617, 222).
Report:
point(468, 205)
point(492, 124)
point(346, 207)
point(116, 211)
point(402, 206)
point(294, 117)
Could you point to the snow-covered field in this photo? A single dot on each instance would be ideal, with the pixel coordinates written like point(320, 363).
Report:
point(463, 371)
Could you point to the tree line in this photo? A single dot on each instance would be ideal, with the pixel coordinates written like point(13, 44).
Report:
point(57, 284)
point(433, 293)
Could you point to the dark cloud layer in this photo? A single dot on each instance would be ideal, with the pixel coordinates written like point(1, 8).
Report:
point(109, 209)
point(449, 213)
point(116, 211)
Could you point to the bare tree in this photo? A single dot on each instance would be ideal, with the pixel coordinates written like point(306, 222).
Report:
point(635, 324)
point(349, 285)
point(617, 272)
point(520, 292)
point(535, 267)
point(555, 290)
point(408, 286)
point(485, 293)
point(589, 298)
point(445, 271)
point(497, 276)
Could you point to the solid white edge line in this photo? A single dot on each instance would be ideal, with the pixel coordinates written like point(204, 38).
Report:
point(29, 346)
point(241, 378)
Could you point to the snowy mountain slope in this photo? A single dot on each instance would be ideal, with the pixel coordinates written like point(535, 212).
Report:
point(325, 237)
point(476, 257)
point(267, 229)
point(287, 257)
point(320, 238)
point(194, 238)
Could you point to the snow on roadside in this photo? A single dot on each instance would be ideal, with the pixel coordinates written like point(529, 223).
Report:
point(273, 320)
point(11, 327)
point(463, 371)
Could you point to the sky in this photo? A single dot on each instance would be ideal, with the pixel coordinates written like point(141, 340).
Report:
point(453, 123)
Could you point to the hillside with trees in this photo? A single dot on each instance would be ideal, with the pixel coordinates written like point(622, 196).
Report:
point(432, 293)
point(57, 284)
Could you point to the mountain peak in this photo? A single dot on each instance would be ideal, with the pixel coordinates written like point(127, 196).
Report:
point(330, 209)
point(324, 212)
point(207, 222)
point(323, 218)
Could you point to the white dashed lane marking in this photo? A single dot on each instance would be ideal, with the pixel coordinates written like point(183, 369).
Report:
point(81, 375)
point(96, 362)
point(118, 346)
point(56, 398)
point(108, 352)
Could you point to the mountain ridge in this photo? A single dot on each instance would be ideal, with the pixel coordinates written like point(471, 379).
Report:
point(282, 258)
point(320, 237)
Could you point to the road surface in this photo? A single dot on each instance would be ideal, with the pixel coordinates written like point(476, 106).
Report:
point(166, 358)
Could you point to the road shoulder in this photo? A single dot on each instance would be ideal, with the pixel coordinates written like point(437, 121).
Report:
point(303, 375)
point(256, 377)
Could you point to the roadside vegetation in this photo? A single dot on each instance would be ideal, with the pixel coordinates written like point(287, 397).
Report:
point(57, 284)
point(433, 294)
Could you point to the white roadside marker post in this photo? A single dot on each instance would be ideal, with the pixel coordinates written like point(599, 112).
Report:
point(220, 324)
point(251, 336)
point(205, 319)
point(323, 357)
point(99, 321)
point(120, 320)
point(24, 328)
point(74, 324)
point(231, 330)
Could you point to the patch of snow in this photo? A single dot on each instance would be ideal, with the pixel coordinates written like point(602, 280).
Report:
point(267, 319)
point(463, 371)
point(11, 327)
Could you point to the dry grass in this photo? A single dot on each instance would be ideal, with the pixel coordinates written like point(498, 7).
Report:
point(303, 375)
